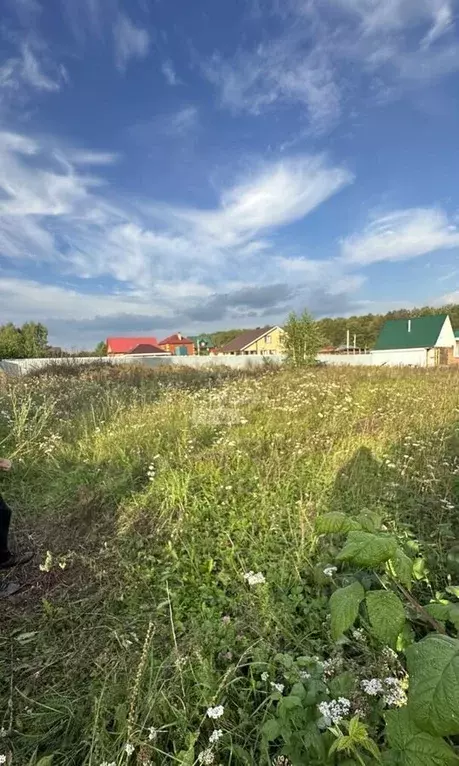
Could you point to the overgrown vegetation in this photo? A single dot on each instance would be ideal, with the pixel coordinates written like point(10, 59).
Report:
point(234, 568)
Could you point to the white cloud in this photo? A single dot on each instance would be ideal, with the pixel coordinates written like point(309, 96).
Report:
point(401, 235)
point(392, 44)
point(286, 70)
point(27, 72)
point(279, 194)
point(55, 214)
point(85, 157)
point(169, 73)
point(130, 41)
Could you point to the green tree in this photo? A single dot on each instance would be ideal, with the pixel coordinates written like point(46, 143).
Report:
point(11, 342)
point(101, 349)
point(34, 340)
point(302, 339)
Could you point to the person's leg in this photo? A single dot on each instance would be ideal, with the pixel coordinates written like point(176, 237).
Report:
point(5, 518)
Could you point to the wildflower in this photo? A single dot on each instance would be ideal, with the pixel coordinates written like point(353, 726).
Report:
point(206, 756)
point(389, 654)
point(373, 687)
point(395, 696)
point(254, 578)
point(215, 736)
point(281, 760)
point(2, 758)
point(128, 748)
point(278, 687)
point(304, 675)
point(264, 676)
point(48, 563)
point(330, 667)
point(215, 712)
point(329, 571)
point(334, 711)
point(226, 619)
point(106, 763)
point(152, 733)
point(358, 635)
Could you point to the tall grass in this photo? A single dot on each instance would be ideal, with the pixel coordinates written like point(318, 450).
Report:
point(149, 495)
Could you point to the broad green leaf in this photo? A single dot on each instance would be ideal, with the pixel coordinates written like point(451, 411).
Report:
point(453, 589)
point(433, 666)
point(46, 761)
point(271, 729)
point(386, 614)
point(333, 523)
point(367, 550)
point(438, 611)
point(344, 607)
point(413, 747)
point(402, 567)
point(369, 521)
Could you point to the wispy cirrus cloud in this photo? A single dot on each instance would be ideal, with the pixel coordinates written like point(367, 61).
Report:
point(170, 74)
point(311, 62)
point(30, 70)
point(401, 235)
point(53, 212)
point(131, 41)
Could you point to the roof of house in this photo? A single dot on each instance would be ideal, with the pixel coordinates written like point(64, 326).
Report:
point(175, 339)
point(202, 338)
point(147, 348)
point(123, 345)
point(246, 338)
point(414, 332)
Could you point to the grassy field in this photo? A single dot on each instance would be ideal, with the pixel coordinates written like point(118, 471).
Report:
point(178, 575)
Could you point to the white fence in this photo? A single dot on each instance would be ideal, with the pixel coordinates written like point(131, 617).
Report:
point(23, 366)
point(412, 357)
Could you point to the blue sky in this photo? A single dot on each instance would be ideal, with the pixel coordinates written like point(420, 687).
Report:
point(172, 165)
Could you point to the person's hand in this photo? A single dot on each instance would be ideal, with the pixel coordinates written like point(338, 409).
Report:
point(5, 465)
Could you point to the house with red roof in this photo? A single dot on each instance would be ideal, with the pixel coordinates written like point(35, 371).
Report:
point(178, 344)
point(117, 346)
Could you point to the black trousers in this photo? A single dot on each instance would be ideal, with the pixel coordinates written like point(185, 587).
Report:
point(5, 518)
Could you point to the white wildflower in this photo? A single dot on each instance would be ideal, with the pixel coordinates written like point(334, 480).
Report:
point(128, 748)
point(358, 635)
point(329, 571)
point(395, 696)
point(152, 733)
point(206, 756)
point(334, 711)
point(254, 578)
point(330, 667)
point(264, 676)
point(226, 619)
point(389, 654)
point(278, 687)
point(372, 687)
point(215, 712)
point(47, 565)
point(2, 758)
point(215, 736)
point(304, 675)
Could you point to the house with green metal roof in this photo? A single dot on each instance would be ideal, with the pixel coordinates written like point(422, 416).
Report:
point(424, 340)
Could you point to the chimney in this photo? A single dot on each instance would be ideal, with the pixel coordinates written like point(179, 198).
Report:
point(179, 335)
point(409, 325)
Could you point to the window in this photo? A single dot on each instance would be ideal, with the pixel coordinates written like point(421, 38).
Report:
point(268, 339)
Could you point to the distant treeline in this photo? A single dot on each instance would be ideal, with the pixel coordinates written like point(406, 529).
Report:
point(31, 340)
point(365, 327)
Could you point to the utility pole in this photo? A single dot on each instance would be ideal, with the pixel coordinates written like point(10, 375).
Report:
point(348, 340)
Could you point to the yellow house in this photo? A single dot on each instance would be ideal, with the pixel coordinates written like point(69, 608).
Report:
point(262, 340)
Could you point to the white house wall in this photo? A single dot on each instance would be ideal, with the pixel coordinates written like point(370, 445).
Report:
point(403, 356)
point(446, 338)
